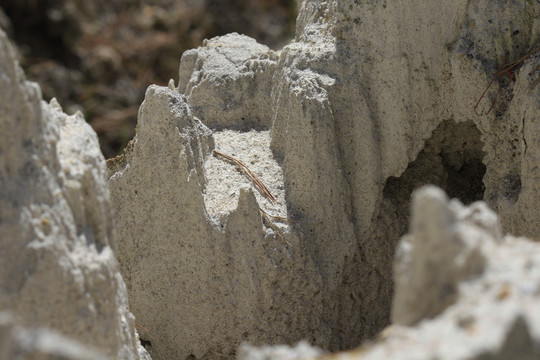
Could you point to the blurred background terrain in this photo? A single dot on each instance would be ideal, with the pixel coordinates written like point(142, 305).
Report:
point(100, 56)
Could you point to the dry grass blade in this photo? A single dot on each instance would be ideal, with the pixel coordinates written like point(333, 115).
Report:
point(482, 96)
point(537, 81)
point(225, 200)
point(505, 69)
point(278, 217)
point(510, 66)
point(273, 226)
point(137, 325)
point(141, 327)
point(249, 173)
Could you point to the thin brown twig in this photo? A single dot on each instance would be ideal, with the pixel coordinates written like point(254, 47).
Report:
point(537, 81)
point(494, 99)
point(137, 325)
point(278, 217)
point(505, 69)
point(226, 199)
point(273, 226)
point(141, 327)
point(249, 173)
point(515, 63)
point(482, 96)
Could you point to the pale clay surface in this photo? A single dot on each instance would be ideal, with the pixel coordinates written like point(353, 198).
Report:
point(159, 260)
point(225, 179)
point(57, 270)
point(371, 101)
point(489, 311)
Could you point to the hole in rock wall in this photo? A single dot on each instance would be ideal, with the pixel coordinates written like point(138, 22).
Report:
point(146, 343)
point(451, 159)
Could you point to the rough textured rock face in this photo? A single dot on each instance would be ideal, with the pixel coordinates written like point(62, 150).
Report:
point(371, 101)
point(406, 79)
point(201, 284)
point(228, 81)
point(443, 251)
point(473, 293)
point(56, 267)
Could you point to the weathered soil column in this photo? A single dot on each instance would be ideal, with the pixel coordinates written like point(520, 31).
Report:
point(371, 100)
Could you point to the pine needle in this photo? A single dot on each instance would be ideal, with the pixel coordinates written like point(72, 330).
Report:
point(278, 217)
point(273, 226)
point(249, 173)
